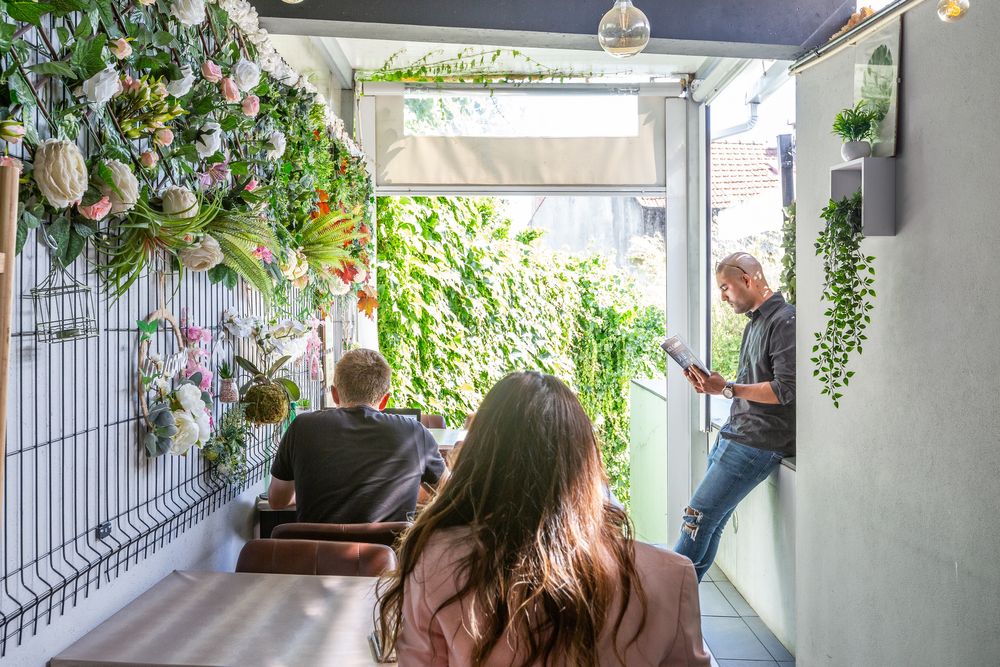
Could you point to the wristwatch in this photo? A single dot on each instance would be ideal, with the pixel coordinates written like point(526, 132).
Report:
point(727, 391)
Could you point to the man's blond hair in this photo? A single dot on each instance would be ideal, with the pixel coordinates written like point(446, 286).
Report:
point(362, 377)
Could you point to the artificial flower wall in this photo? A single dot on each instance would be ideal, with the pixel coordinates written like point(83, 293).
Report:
point(204, 148)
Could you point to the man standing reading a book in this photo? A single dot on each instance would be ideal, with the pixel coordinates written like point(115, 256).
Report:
point(761, 427)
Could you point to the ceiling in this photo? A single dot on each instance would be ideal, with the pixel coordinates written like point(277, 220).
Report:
point(775, 29)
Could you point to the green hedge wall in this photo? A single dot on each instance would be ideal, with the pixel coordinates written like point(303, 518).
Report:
point(463, 303)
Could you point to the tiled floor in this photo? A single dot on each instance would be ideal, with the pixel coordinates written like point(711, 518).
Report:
point(735, 635)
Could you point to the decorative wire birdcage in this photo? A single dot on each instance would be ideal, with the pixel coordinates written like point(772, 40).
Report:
point(63, 306)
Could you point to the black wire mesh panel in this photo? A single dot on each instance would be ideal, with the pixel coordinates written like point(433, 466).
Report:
point(82, 501)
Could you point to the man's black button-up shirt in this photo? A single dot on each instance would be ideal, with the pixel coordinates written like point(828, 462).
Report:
point(767, 354)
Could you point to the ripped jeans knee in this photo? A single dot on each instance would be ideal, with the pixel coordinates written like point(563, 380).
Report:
point(692, 522)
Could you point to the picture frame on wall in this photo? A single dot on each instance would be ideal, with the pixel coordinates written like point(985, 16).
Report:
point(876, 81)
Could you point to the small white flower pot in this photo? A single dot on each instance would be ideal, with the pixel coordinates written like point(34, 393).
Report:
point(852, 150)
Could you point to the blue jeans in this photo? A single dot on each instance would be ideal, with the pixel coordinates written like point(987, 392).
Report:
point(733, 471)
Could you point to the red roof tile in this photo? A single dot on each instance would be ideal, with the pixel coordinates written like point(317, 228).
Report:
point(740, 170)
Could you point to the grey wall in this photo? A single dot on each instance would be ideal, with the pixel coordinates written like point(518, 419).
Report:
point(212, 544)
point(898, 536)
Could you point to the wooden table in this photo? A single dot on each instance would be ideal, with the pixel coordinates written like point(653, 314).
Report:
point(227, 618)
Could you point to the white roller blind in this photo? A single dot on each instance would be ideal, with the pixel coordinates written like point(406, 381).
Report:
point(602, 163)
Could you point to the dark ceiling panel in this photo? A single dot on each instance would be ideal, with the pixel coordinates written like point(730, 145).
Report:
point(764, 22)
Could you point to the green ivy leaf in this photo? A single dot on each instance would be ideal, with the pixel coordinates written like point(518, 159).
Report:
point(74, 246)
point(29, 12)
point(162, 38)
point(54, 68)
point(84, 28)
point(22, 93)
point(88, 56)
point(59, 233)
point(7, 31)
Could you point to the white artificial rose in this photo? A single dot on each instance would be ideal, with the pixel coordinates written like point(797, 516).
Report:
point(270, 62)
point(243, 14)
point(61, 172)
point(209, 139)
point(204, 425)
point(203, 255)
point(180, 87)
point(285, 74)
point(187, 432)
point(189, 396)
point(276, 145)
point(338, 287)
point(127, 185)
point(246, 75)
point(258, 37)
point(179, 202)
point(188, 12)
point(101, 87)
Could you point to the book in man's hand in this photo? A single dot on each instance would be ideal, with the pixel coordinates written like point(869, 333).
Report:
point(682, 354)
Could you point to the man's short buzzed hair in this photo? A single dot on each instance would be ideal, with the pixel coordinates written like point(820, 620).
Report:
point(742, 262)
point(362, 377)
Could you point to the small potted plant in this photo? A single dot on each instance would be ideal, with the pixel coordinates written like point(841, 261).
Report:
point(267, 398)
point(227, 384)
point(857, 126)
point(303, 405)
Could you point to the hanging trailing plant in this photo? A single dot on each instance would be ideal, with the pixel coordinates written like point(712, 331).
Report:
point(469, 65)
point(788, 258)
point(847, 286)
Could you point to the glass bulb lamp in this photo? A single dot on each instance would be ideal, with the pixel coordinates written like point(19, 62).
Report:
point(950, 11)
point(623, 31)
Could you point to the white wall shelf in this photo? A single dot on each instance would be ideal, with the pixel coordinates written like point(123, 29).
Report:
point(876, 178)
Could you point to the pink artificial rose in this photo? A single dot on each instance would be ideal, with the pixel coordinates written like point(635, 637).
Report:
point(149, 159)
point(229, 90)
point(97, 210)
point(120, 48)
point(129, 85)
point(211, 71)
point(251, 105)
point(251, 186)
point(12, 131)
point(163, 137)
point(264, 254)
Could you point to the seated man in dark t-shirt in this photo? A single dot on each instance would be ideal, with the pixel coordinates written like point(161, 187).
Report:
point(354, 463)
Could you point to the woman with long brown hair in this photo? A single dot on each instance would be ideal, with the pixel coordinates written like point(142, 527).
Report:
point(522, 560)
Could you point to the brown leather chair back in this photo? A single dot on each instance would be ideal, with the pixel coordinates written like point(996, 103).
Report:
point(432, 421)
point(373, 533)
point(353, 559)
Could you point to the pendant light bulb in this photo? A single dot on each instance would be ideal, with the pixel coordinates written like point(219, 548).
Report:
point(950, 11)
point(623, 31)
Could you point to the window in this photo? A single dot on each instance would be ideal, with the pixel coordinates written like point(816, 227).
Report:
point(509, 114)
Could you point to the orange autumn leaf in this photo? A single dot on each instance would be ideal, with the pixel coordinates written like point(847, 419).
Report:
point(323, 195)
point(367, 301)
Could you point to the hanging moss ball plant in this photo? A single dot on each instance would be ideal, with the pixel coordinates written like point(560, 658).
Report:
point(267, 398)
point(266, 403)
